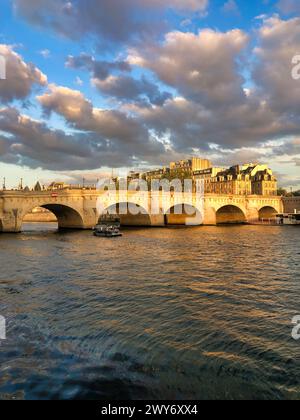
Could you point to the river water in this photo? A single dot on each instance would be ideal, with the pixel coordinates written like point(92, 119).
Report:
point(198, 313)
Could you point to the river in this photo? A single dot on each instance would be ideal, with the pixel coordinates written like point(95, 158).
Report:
point(186, 313)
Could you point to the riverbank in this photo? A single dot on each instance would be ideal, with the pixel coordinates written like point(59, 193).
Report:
point(40, 218)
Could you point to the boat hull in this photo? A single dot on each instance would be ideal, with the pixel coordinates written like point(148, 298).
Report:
point(107, 235)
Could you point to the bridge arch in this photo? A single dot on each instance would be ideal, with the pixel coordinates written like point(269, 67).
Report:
point(183, 214)
point(267, 212)
point(130, 213)
point(67, 217)
point(230, 214)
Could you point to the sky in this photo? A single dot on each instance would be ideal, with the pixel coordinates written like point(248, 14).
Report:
point(98, 86)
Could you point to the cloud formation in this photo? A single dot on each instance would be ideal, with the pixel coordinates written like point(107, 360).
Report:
point(120, 132)
point(229, 95)
point(31, 143)
point(231, 7)
point(109, 20)
point(21, 77)
point(112, 79)
point(129, 89)
point(213, 106)
point(99, 69)
point(289, 6)
point(279, 42)
point(80, 114)
point(201, 67)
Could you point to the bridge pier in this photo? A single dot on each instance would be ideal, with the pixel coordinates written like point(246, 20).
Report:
point(252, 215)
point(10, 223)
point(157, 220)
point(210, 217)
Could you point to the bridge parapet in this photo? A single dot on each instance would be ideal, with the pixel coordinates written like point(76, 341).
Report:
point(80, 208)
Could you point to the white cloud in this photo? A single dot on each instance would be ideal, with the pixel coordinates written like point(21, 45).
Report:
point(45, 53)
point(21, 77)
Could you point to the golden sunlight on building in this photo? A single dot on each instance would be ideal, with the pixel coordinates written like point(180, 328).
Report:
point(248, 179)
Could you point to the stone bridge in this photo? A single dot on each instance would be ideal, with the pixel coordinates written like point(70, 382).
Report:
point(79, 209)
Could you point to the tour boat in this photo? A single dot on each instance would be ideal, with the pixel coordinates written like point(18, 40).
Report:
point(292, 219)
point(107, 232)
point(108, 227)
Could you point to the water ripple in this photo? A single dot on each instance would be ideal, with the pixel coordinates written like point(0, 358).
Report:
point(199, 313)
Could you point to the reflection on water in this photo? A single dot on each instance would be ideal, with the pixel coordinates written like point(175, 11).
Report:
point(159, 313)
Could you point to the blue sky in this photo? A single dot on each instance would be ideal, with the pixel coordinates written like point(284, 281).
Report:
point(83, 122)
point(32, 40)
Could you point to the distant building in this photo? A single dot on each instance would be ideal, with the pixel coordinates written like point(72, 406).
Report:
point(133, 176)
point(263, 181)
point(248, 179)
point(156, 174)
point(58, 186)
point(207, 175)
point(190, 166)
point(232, 181)
point(181, 169)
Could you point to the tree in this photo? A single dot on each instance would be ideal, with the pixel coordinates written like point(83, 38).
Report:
point(282, 192)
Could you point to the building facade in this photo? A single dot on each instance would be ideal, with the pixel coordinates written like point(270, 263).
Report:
point(248, 179)
point(178, 170)
point(156, 174)
point(190, 165)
